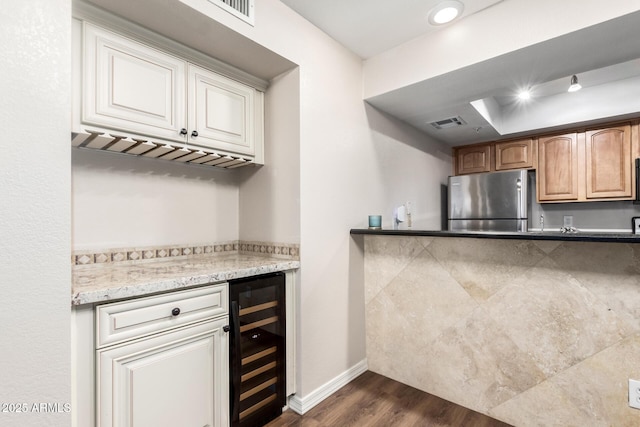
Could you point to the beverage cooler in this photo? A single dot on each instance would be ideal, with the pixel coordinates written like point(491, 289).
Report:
point(257, 349)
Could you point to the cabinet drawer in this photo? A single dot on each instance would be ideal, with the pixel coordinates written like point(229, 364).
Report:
point(127, 320)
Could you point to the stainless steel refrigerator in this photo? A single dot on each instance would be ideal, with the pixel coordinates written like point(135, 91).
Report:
point(495, 201)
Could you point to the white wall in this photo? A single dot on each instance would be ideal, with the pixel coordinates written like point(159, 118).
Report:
point(35, 40)
point(126, 201)
point(331, 161)
point(500, 29)
point(353, 161)
point(270, 195)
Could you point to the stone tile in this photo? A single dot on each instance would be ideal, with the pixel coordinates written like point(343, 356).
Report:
point(547, 246)
point(592, 393)
point(385, 257)
point(545, 405)
point(148, 254)
point(405, 317)
point(603, 384)
point(484, 266)
point(102, 257)
point(428, 297)
point(611, 271)
point(391, 345)
point(554, 319)
point(476, 365)
point(84, 259)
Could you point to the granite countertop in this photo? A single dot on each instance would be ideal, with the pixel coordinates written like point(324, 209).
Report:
point(531, 235)
point(102, 283)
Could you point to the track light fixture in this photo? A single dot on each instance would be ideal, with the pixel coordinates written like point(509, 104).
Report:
point(575, 86)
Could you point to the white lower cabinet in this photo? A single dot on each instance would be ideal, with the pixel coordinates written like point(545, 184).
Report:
point(178, 378)
point(142, 363)
point(155, 361)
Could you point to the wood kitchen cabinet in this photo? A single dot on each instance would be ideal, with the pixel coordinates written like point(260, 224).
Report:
point(587, 166)
point(608, 163)
point(579, 166)
point(557, 174)
point(135, 89)
point(473, 159)
point(497, 156)
point(519, 154)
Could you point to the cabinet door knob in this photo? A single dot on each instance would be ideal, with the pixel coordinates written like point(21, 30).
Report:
point(194, 133)
point(226, 328)
point(183, 131)
point(175, 311)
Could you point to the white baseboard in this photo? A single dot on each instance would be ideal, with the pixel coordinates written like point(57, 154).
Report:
point(304, 404)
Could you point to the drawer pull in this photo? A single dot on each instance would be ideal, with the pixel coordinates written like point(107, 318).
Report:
point(175, 311)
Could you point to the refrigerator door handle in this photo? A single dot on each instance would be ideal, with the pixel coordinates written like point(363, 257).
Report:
point(519, 203)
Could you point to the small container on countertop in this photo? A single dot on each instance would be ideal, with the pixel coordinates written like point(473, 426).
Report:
point(375, 222)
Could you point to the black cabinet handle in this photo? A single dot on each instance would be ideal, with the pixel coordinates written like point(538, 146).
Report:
point(194, 133)
point(226, 328)
point(175, 311)
point(183, 131)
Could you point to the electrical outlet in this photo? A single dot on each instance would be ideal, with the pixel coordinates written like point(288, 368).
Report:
point(567, 220)
point(634, 393)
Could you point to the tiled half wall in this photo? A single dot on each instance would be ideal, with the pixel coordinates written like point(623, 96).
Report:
point(142, 254)
point(534, 333)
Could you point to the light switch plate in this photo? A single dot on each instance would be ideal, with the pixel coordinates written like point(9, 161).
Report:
point(634, 393)
point(635, 225)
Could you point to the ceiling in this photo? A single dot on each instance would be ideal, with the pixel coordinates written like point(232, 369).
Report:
point(605, 57)
point(370, 27)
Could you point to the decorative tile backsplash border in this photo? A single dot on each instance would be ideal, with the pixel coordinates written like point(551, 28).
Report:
point(142, 254)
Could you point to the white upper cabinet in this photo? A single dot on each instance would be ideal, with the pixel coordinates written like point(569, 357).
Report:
point(220, 112)
point(133, 89)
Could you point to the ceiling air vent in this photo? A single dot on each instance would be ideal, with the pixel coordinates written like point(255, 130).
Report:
point(243, 9)
point(448, 123)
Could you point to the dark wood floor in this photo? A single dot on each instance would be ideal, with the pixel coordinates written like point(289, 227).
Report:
point(374, 400)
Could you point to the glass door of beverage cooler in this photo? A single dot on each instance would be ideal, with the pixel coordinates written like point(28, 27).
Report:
point(257, 349)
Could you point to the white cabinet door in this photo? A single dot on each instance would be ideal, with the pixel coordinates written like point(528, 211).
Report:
point(180, 378)
point(221, 112)
point(129, 86)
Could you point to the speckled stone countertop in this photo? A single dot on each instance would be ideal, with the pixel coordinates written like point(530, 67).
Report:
point(102, 283)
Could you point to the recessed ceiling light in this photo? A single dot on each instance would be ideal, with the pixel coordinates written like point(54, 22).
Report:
point(445, 12)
